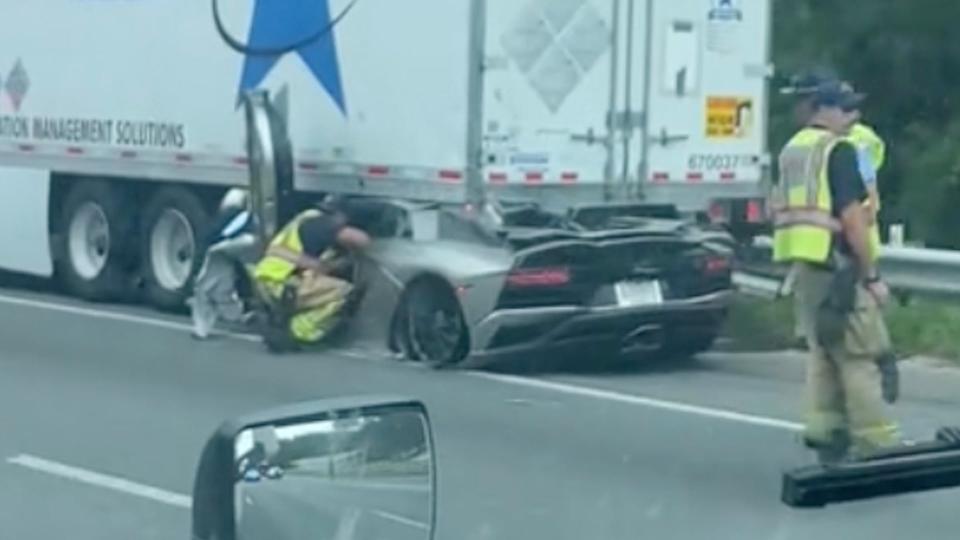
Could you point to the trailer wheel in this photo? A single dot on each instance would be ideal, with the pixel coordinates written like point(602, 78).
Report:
point(97, 248)
point(174, 224)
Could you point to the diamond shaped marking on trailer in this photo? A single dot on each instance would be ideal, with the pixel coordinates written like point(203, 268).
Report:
point(558, 13)
point(555, 77)
point(527, 39)
point(586, 38)
point(18, 83)
point(555, 43)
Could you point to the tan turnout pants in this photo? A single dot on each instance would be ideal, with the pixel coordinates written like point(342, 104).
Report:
point(843, 382)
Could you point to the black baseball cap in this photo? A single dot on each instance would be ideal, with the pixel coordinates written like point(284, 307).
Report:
point(805, 84)
point(824, 88)
point(837, 94)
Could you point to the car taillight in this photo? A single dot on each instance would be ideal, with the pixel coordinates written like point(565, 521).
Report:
point(754, 212)
point(716, 264)
point(539, 277)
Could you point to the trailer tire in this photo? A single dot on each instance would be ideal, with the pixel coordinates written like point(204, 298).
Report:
point(98, 251)
point(174, 226)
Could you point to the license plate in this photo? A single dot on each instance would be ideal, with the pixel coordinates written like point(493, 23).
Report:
point(639, 293)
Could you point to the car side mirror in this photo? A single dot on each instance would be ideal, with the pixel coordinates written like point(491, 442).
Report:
point(341, 468)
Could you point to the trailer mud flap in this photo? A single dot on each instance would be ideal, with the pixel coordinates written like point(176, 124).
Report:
point(24, 221)
point(270, 161)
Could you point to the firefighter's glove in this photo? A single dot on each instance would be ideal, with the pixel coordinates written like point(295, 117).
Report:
point(889, 377)
point(833, 314)
point(843, 290)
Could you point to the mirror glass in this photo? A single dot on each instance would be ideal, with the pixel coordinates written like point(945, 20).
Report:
point(358, 474)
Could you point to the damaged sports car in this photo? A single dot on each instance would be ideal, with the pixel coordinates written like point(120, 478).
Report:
point(448, 286)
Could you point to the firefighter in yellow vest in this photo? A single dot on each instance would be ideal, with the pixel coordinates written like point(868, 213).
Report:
point(871, 154)
point(821, 228)
point(300, 267)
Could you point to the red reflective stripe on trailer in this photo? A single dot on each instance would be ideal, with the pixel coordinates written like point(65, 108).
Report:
point(74, 150)
point(308, 166)
point(694, 177)
point(660, 177)
point(534, 177)
point(568, 177)
point(498, 178)
point(241, 161)
point(727, 176)
point(183, 158)
point(128, 154)
point(378, 170)
point(450, 176)
point(27, 147)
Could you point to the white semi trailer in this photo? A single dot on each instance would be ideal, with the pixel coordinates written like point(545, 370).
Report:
point(121, 124)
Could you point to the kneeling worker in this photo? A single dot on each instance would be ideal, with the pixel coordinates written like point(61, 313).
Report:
point(298, 271)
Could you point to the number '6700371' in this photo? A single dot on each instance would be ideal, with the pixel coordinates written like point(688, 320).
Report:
point(720, 162)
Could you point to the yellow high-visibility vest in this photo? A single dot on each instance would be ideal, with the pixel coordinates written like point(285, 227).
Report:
point(867, 140)
point(284, 251)
point(802, 206)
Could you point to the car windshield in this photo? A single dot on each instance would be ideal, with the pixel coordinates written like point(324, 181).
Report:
point(656, 268)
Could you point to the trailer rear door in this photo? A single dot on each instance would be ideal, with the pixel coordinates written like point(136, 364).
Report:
point(548, 75)
point(707, 93)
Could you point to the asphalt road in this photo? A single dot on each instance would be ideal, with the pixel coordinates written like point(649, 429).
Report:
point(105, 411)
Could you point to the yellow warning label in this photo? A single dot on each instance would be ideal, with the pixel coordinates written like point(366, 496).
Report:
point(729, 117)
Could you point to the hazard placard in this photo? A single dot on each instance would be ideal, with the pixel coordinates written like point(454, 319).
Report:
point(729, 117)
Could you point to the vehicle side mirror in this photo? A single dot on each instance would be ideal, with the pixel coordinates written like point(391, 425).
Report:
point(343, 468)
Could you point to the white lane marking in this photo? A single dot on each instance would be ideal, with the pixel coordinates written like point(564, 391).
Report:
point(534, 383)
point(347, 526)
point(402, 520)
point(114, 316)
point(92, 478)
point(709, 412)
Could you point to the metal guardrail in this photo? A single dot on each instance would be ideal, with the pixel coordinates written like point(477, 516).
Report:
point(756, 285)
point(909, 271)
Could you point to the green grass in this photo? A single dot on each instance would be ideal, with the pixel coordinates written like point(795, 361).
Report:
point(757, 324)
point(925, 328)
point(920, 328)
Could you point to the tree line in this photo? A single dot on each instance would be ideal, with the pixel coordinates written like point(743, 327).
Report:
point(905, 54)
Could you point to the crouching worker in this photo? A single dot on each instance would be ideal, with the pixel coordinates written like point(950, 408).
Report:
point(231, 246)
point(301, 275)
